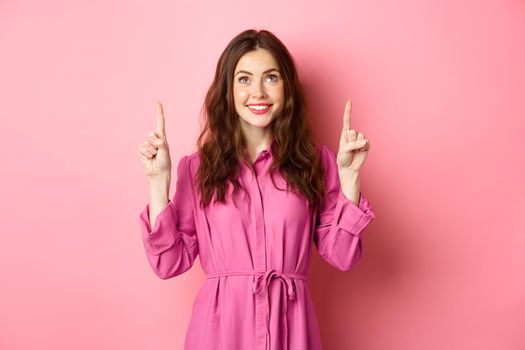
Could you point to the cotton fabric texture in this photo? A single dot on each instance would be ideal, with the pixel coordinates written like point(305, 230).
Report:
point(256, 256)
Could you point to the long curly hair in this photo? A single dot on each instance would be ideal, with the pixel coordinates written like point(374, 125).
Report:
point(221, 143)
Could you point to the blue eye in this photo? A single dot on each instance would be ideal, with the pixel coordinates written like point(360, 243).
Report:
point(241, 78)
point(273, 75)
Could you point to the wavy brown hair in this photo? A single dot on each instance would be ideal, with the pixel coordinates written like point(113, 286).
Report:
point(221, 143)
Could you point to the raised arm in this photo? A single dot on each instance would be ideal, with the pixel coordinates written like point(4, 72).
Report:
point(340, 223)
point(171, 246)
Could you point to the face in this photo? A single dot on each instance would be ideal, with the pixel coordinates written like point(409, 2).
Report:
point(258, 89)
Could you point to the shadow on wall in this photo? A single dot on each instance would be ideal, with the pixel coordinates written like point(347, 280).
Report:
point(348, 303)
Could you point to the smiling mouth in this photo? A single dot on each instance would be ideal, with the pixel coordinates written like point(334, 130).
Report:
point(261, 109)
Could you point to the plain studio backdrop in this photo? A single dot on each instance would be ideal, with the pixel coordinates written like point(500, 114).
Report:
point(437, 87)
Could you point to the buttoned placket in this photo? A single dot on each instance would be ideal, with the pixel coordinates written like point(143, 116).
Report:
point(260, 262)
point(261, 283)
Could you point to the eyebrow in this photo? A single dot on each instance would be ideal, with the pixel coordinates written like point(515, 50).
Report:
point(266, 71)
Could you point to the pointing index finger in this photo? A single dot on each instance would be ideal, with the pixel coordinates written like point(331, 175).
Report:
point(160, 119)
point(346, 116)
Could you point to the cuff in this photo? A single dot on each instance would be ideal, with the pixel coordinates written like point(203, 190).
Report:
point(351, 217)
point(163, 235)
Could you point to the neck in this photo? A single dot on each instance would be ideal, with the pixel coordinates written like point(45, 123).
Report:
point(256, 146)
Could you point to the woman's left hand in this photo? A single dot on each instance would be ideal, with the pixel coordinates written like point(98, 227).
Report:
point(353, 147)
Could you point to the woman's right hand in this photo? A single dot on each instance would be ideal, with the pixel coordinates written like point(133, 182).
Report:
point(154, 152)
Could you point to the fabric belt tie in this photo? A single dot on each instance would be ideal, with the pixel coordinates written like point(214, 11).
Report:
point(262, 284)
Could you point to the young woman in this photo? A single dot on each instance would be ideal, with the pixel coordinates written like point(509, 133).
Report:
point(251, 201)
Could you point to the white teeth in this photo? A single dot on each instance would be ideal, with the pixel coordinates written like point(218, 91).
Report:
point(259, 108)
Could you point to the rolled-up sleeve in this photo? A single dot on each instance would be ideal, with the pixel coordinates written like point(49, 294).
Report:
point(171, 246)
point(340, 223)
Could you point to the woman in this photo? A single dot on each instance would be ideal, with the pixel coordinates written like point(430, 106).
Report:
point(251, 201)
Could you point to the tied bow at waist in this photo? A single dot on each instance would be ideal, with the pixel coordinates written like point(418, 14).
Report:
point(261, 285)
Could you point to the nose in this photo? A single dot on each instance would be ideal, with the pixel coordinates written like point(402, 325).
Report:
point(258, 90)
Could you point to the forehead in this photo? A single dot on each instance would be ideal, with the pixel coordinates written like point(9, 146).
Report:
point(256, 61)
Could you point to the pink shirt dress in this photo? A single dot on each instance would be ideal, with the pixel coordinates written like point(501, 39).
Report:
point(256, 256)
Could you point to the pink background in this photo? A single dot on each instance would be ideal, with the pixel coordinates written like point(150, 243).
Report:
point(437, 88)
